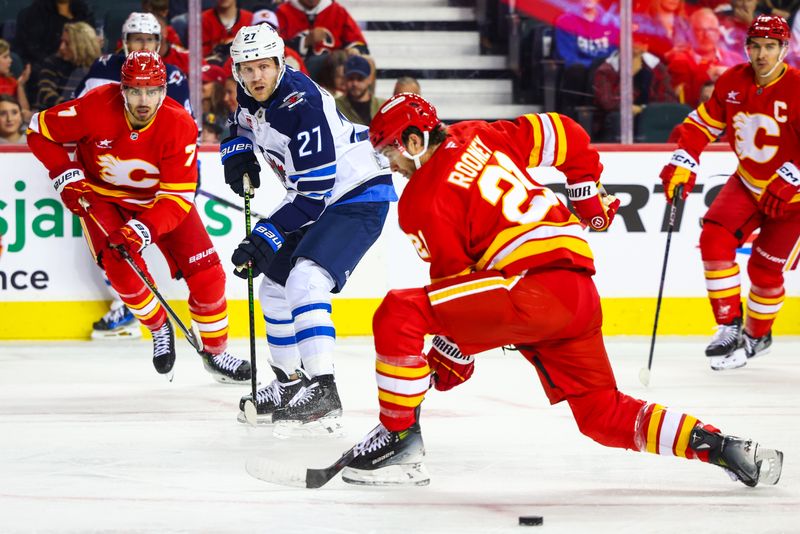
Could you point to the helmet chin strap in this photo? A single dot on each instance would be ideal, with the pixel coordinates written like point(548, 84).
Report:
point(415, 157)
point(784, 52)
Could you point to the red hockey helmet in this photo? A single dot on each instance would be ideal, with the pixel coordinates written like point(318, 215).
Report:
point(401, 111)
point(771, 27)
point(143, 69)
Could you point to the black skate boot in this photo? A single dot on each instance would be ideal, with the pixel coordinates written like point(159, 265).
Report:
point(117, 323)
point(276, 395)
point(744, 460)
point(726, 350)
point(387, 458)
point(757, 346)
point(164, 350)
point(314, 410)
point(226, 369)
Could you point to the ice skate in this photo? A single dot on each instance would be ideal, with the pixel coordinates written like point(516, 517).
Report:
point(313, 411)
point(726, 350)
point(117, 323)
point(387, 458)
point(744, 460)
point(275, 395)
point(757, 346)
point(164, 350)
point(226, 369)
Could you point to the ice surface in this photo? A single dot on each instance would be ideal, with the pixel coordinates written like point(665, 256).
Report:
point(93, 440)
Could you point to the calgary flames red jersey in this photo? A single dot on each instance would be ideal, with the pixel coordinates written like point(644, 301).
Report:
point(763, 124)
point(295, 22)
point(473, 206)
point(152, 170)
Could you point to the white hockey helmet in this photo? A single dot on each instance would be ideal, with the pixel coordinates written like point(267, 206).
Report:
point(257, 42)
point(140, 23)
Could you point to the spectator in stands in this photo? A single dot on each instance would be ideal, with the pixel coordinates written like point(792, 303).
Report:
point(331, 74)
point(667, 25)
point(160, 8)
point(783, 8)
point(220, 24)
point(582, 40)
point(407, 84)
point(212, 129)
point(586, 36)
point(316, 27)
point(229, 95)
point(651, 83)
point(14, 86)
point(291, 56)
point(62, 72)
point(213, 77)
point(172, 54)
point(734, 20)
point(358, 104)
point(691, 68)
point(10, 121)
point(39, 28)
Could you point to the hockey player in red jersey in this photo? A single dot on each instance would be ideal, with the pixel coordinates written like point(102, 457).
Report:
point(509, 265)
point(136, 166)
point(757, 104)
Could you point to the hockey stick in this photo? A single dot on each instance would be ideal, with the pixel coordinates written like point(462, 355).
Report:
point(644, 373)
point(127, 257)
point(287, 475)
point(250, 412)
point(227, 203)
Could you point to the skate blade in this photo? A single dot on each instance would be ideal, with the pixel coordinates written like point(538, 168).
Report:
point(117, 334)
point(393, 475)
point(276, 473)
point(228, 381)
point(732, 361)
point(169, 375)
point(760, 353)
point(325, 426)
point(771, 465)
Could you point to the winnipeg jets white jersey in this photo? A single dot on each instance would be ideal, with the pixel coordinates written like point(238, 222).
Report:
point(320, 156)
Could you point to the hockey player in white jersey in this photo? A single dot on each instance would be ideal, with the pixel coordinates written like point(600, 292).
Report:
point(338, 192)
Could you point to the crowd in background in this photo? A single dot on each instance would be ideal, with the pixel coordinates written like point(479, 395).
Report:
point(52, 44)
point(680, 48)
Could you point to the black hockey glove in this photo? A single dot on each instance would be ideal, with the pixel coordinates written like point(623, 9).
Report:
point(239, 159)
point(260, 248)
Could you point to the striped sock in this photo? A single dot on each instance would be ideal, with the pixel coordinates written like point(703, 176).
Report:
point(761, 313)
point(724, 288)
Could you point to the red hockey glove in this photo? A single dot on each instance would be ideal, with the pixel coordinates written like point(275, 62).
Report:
point(593, 207)
point(780, 190)
point(133, 236)
point(448, 365)
point(681, 169)
point(71, 185)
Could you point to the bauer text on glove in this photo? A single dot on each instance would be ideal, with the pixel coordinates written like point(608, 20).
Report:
point(239, 159)
point(259, 248)
point(133, 236)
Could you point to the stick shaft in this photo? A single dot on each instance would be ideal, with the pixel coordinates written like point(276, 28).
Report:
point(250, 298)
point(672, 216)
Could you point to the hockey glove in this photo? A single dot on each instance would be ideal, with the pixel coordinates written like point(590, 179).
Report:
point(681, 169)
point(593, 207)
point(133, 236)
point(239, 159)
point(449, 367)
point(780, 190)
point(259, 248)
point(72, 186)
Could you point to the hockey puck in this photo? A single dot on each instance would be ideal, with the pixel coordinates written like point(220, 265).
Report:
point(531, 520)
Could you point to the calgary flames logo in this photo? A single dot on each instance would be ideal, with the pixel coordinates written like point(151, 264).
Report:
point(746, 128)
point(127, 172)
